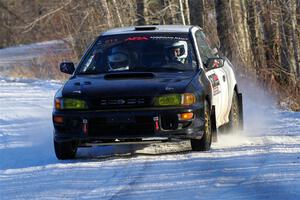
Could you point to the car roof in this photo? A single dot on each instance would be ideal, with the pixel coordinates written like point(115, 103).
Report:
point(149, 29)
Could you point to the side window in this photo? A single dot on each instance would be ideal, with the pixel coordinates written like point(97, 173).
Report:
point(204, 48)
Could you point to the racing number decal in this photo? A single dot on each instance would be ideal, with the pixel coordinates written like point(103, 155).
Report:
point(214, 79)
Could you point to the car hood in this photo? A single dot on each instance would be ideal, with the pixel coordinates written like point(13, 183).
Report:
point(126, 84)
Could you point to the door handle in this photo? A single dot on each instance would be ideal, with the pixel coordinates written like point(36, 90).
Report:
point(224, 78)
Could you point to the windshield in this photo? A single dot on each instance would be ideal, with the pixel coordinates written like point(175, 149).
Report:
point(139, 53)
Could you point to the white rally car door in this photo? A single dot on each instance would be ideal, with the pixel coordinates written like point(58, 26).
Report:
point(231, 82)
point(222, 80)
point(214, 75)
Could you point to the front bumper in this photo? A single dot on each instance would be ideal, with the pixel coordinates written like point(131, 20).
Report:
point(127, 124)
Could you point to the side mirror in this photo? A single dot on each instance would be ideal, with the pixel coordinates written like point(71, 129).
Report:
point(214, 63)
point(67, 67)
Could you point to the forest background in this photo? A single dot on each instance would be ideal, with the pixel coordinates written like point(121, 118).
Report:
point(260, 37)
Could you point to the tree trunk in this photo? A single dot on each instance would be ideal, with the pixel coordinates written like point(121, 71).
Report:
point(106, 13)
point(172, 12)
point(118, 12)
point(285, 33)
point(187, 12)
point(224, 27)
point(182, 12)
point(295, 39)
point(197, 12)
point(252, 23)
point(270, 33)
point(233, 32)
point(140, 10)
point(163, 6)
point(298, 33)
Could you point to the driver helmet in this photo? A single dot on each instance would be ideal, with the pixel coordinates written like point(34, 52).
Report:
point(178, 51)
point(118, 59)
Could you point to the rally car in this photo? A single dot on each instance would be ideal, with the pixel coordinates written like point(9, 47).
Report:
point(146, 83)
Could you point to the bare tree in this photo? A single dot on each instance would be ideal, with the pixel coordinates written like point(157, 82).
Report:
point(106, 12)
point(140, 12)
point(118, 12)
point(182, 12)
point(254, 23)
point(197, 12)
point(187, 12)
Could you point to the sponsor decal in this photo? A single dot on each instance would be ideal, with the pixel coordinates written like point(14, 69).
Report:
point(169, 89)
point(167, 38)
point(214, 79)
point(137, 38)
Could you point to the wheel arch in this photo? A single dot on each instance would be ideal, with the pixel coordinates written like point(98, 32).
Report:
point(213, 119)
point(207, 98)
point(241, 106)
point(236, 89)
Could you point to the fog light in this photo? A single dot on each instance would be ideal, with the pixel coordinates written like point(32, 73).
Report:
point(186, 116)
point(58, 119)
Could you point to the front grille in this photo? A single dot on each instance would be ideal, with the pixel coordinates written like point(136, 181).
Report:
point(120, 102)
point(110, 127)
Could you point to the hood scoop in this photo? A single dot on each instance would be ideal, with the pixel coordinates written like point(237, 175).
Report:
point(140, 75)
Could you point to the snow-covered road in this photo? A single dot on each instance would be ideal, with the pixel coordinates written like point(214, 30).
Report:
point(263, 163)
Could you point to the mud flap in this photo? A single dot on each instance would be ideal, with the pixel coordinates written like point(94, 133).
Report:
point(214, 129)
point(241, 112)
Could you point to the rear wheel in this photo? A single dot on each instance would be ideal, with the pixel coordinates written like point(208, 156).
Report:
point(234, 124)
point(65, 150)
point(204, 143)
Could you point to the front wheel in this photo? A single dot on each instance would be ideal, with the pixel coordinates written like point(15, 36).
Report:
point(204, 143)
point(65, 150)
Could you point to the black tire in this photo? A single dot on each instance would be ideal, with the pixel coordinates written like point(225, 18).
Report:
point(204, 143)
point(65, 150)
point(234, 124)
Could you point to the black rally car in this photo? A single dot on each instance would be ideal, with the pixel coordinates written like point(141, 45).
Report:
point(146, 83)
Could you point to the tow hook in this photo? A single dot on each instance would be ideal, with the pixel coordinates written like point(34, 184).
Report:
point(85, 126)
point(156, 123)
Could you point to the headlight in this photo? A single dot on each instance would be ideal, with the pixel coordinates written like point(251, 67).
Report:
point(68, 103)
point(185, 99)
